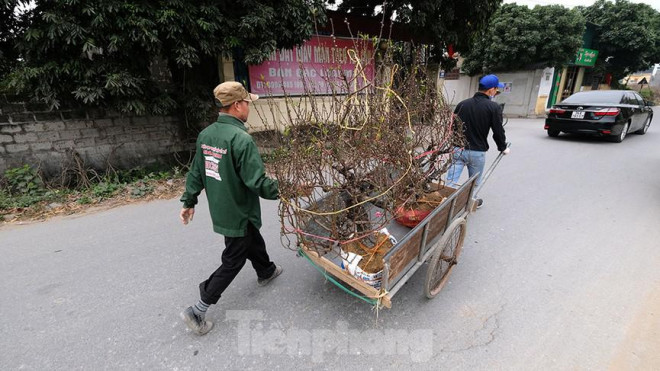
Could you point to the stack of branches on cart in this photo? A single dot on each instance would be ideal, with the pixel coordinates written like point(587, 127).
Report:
point(358, 140)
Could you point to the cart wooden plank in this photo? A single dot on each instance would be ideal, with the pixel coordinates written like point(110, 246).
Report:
point(437, 226)
point(341, 274)
point(399, 262)
point(462, 202)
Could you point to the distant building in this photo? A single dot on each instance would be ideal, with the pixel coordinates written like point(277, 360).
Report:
point(650, 75)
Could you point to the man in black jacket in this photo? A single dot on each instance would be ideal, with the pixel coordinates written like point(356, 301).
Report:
point(479, 114)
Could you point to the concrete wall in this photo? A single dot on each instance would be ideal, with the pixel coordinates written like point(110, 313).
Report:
point(520, 99)
point(45, 139)
point(455, 91)
point(271, 113)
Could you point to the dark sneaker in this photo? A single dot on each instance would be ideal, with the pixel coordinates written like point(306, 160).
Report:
point(197, 324)
point(265, 281)
point(480, 203)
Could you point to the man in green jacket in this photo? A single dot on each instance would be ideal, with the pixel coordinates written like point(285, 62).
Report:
point(228, 166)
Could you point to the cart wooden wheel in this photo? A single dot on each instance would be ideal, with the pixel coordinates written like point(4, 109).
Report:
point(445, 258)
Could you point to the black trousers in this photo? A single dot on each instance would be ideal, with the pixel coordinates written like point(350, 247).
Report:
point(237, 250)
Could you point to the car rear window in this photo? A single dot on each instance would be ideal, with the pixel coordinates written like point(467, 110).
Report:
point(600, 96)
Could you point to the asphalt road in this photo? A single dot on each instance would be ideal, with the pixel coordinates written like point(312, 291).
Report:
point(560, 270)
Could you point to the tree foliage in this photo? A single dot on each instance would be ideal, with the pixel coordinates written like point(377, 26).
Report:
point(13, 23)
point(109, 52)
point(628, 36)
point(442, 22)
point(519, 37)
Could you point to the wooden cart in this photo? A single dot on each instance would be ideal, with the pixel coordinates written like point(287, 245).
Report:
point(437, 239)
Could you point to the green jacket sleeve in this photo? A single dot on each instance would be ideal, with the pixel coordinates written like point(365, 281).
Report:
point(194, 181)
point(252, 172)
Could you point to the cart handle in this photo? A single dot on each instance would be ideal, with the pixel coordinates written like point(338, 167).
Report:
point(490, 171)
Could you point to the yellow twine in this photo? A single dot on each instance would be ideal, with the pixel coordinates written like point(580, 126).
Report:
point(352, 54)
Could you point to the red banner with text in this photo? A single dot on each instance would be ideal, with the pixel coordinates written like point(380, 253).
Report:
point(322, 65)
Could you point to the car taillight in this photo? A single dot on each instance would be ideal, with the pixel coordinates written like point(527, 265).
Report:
point(558, 111)
point(607, 112)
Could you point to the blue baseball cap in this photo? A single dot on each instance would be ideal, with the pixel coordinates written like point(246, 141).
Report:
point(490, 81)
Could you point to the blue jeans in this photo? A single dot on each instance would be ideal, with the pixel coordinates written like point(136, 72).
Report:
point(474, 160)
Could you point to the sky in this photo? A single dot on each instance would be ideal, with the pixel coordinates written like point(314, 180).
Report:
point(571, 3)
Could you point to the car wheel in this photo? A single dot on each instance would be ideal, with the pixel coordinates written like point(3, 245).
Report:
point(644, 128)
point(553, 133)
point(619, 138)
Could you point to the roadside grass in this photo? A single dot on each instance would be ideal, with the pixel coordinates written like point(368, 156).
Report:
point(25, 196)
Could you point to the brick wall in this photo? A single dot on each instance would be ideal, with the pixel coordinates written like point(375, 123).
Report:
point(29, 134)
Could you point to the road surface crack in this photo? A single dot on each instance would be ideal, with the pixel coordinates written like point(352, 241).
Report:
point(480, 337)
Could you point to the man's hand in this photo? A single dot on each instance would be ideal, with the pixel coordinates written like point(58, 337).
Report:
point(187, 215)
point(506, 151)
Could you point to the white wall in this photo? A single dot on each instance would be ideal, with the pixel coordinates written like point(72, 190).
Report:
point(520, 97)
point(455, 91)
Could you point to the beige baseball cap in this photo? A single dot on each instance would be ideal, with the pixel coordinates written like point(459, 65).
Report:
point(232, 91)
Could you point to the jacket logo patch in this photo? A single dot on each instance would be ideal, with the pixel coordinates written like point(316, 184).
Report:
point(213, 151)
point(212, 170)
point(212, 156)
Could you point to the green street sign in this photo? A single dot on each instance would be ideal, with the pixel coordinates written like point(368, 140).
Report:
point(586, 57)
